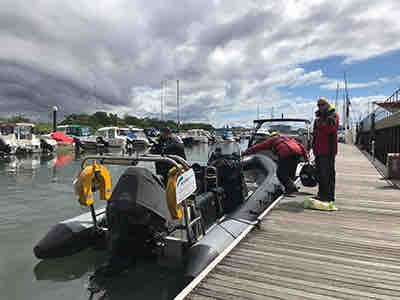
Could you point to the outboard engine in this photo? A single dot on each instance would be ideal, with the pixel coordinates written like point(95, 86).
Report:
point(137, 216)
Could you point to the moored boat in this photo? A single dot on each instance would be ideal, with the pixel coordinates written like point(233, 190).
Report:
point(189, 221)
point(196, 136)
point(18, 138)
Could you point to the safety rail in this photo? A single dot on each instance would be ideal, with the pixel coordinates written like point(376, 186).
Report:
point(379, 132)
point(124, 160)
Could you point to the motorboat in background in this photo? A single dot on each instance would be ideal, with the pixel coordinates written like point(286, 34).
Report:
point(226, 135)
point(76, 132)
point(196, 136)
point(18, 138)
point(113, 136)
point(298, 129)
point(137, 136)
point(260, 135)
point(123, 138)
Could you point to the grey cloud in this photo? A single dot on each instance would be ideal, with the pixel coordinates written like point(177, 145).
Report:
point(89, 55)
point(246, 26)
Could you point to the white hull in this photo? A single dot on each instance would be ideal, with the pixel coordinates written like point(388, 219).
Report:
point(200, 139)
point(22, 146)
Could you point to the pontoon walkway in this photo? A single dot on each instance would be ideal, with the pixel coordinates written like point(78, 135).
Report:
point(352, 253)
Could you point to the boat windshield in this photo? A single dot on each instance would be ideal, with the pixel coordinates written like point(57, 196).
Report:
point(124, 132)
point(288, 128)
point(85, 131)
point(24, 132)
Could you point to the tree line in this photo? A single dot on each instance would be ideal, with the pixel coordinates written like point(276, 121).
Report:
point(103, 119)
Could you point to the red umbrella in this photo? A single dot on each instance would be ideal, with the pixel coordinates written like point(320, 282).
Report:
point(62, 137)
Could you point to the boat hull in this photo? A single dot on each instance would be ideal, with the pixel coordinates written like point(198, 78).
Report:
point(219, 237)
point(69, 237)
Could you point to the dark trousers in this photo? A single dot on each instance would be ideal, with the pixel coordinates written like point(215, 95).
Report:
point(287, 170)
point(325, 165)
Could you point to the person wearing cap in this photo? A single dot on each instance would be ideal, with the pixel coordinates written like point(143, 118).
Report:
point(168, 143)
point(289, 152)
point(325, 143)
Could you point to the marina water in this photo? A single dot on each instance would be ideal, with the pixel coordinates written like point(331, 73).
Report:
point(36, 192)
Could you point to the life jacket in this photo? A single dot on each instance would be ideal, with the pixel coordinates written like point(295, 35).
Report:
point(325, 133)
point(285, 146)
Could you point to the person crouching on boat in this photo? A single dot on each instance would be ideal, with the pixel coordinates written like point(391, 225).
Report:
point(289, 152)
point(168, 143)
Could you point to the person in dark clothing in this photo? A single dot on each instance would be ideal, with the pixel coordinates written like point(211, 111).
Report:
point(168, 143)
point(325, 145)
point(289, 152)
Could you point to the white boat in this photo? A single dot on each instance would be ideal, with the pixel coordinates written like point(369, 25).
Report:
point(137, 136)
point(81, 132)
point(261, 134)
point(225, 136)
point(198, 135)
point(228, 137)
point(19, 138)
point(75, 131)
point(298, 129)
point(112, 135)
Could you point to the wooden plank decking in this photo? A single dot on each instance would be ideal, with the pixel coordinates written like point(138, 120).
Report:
point(352, 253)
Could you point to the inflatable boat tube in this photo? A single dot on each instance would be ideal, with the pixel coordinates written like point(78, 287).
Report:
point(220, 236)
point(69, 237)
point(73, 235)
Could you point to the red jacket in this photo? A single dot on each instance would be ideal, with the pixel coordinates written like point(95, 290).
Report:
point(325, 140)
point(283, 146)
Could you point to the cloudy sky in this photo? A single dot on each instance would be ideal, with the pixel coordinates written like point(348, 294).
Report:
point(230, 56)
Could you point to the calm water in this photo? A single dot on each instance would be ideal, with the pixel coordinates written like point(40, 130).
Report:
point(36, 193)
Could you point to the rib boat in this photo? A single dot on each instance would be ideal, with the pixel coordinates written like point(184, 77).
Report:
point(185, 219)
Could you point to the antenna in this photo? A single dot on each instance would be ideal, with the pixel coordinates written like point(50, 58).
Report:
point(258, 111)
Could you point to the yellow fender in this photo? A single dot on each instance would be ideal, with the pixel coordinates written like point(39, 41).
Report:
point(174, 209)
point(89, 180)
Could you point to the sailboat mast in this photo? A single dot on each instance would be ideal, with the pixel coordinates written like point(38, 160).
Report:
point(347, 102)
point(177, 102)
point(161, 100)
point(337, 95)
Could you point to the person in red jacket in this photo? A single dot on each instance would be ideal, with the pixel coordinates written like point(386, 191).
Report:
point(325, 145)
point(289, 152)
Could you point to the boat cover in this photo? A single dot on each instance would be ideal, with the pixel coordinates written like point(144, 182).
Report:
point(139, 186)
point(62, 137)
